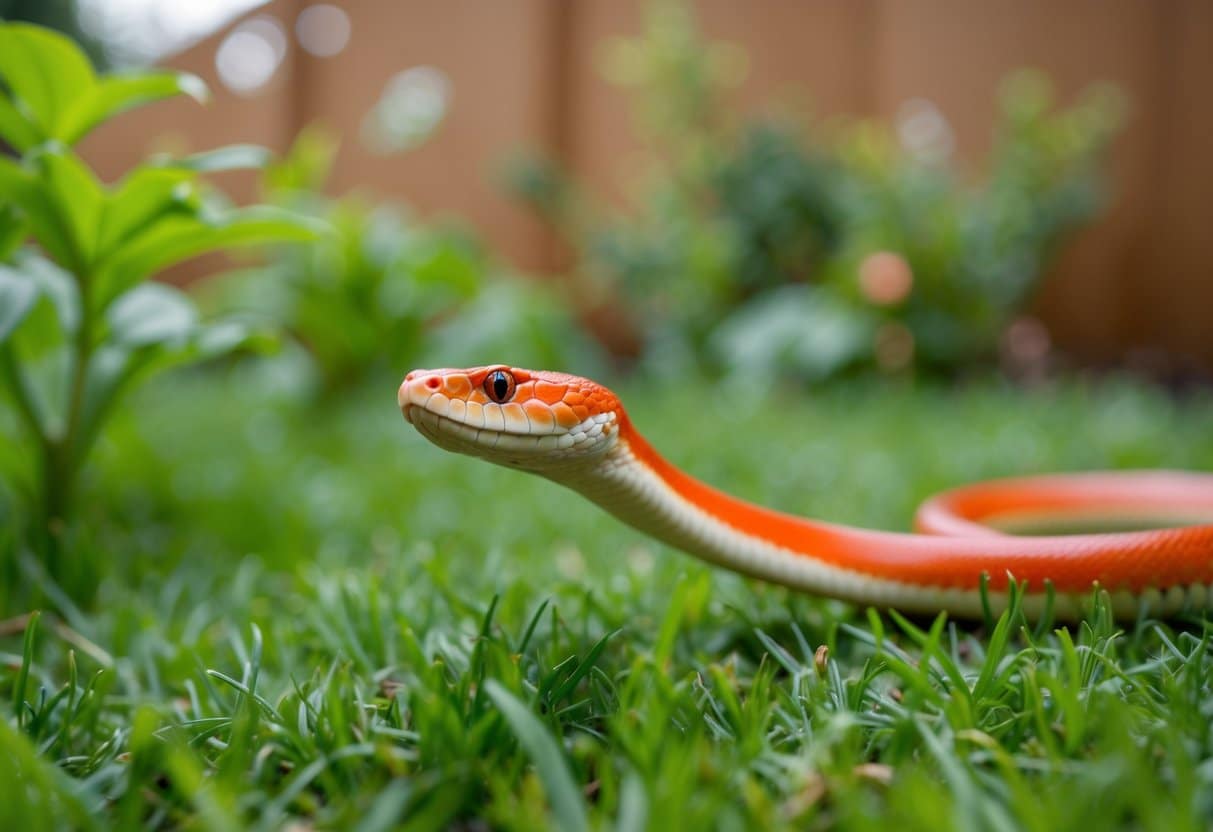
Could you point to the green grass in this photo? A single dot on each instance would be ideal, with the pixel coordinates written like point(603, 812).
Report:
point(312, 616)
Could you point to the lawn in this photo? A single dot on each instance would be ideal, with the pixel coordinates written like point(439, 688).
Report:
point(311, 616)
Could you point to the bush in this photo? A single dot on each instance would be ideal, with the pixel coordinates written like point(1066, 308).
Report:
point(384, 292)
point(750, 249)
point(79, 324)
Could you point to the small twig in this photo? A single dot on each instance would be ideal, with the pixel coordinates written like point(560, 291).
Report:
point(13, 626)
point(17, 624)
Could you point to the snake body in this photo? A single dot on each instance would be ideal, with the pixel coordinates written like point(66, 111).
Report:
point(577, 433)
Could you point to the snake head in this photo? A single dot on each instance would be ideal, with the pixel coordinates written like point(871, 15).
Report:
point(537, 421)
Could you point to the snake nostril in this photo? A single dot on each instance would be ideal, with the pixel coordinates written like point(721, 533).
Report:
point(433, 382)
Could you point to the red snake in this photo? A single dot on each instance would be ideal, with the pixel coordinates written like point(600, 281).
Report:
point(577, 433)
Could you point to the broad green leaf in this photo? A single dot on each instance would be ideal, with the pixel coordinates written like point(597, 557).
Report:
point(40, 343)
point(231, 157)
point(56, 312)
point(46, 72)
point(17, 296)
point(12, 230)
point(16, 128)
point(225, 337)
point(55, 94)
point(153, 313)
point(19, 187)
point(178, 238)
point(166, 342)
point(568, 805)
point(118, 93)
point(78, 195)
point(56, 284)
point(794, 329)
point(146, 195)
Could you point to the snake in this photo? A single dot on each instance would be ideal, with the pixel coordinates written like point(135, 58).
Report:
point(960, 558)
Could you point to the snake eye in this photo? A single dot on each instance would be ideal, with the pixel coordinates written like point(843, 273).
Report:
point(499, 386)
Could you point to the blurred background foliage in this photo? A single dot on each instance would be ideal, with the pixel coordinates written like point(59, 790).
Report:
point(387, 291)
point(765, 246)
point(771, 246)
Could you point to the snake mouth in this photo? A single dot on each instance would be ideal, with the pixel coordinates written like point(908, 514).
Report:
point(491, 443)
point(538, 452)
point(419, 416)
point(448, 433)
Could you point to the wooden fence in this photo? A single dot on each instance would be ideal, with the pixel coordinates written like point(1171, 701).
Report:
point(524, 73)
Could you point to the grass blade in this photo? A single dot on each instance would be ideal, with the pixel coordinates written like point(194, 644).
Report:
point(568, 805)
point(27, 660)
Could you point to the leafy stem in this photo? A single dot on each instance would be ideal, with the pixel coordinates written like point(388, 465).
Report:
point(99, 242)
point(61, 450)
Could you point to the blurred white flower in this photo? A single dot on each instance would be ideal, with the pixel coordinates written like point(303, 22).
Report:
point(924, 132)
point(250, 54)
point(413, 104)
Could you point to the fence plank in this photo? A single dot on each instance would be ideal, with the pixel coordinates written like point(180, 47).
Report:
point(1173, 289)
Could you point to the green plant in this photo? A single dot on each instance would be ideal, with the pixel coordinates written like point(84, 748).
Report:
point(385, 291)
point(752, 250)
point(944, 266)
point(79, 324)
point(365, 295)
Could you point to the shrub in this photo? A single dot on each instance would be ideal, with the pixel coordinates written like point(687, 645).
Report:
point(751, 249)
point(385, 292)
point(79, 323)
